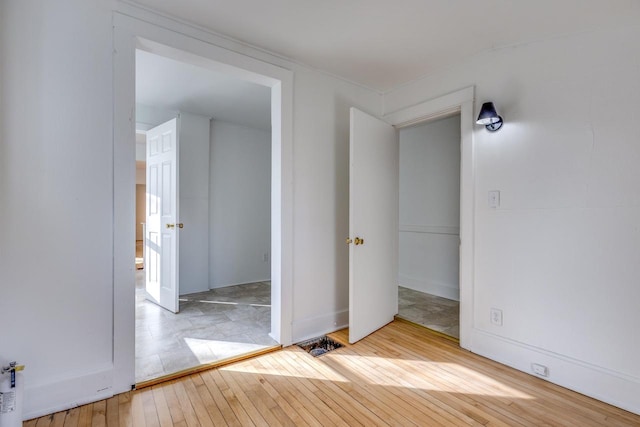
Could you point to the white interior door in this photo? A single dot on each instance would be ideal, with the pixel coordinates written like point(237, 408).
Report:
point(161, 239)
point(373, 224)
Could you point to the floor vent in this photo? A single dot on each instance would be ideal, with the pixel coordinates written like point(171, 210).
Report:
point(319, 346)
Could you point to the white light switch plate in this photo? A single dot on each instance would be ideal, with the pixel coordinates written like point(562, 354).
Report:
point(494, 199)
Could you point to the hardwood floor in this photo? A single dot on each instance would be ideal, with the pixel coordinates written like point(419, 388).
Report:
point(400, 375)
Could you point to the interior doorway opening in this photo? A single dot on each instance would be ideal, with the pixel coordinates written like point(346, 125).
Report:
point(374, 169)
point(183, 44)
point(429, 224)
point(221, 257)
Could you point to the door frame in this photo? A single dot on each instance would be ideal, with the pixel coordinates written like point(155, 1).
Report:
point(462, 102)
point(193, 46)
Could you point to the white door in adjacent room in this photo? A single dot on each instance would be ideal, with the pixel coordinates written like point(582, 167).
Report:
point(161, 239)
point(373, 224)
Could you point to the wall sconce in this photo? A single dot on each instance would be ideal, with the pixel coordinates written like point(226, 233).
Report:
point(489, 117)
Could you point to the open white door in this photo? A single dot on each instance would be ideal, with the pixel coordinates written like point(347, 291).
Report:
point(161, 239)
point(373, 224)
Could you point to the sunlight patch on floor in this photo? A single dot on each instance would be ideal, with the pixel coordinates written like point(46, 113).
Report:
point(207, 351)
point(439, 372)
point(253, 368)
point(400, 374)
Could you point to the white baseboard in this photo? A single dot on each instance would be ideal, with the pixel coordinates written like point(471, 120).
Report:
point(430, 287)
point(429, 229)
point(612, 387)
point(313, 327)
point(212, 286)
point(67, 393)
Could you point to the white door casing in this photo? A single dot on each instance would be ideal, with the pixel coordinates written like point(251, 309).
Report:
point(373, 217)
point(181, 42)
point(161, 238)
point(462, 102)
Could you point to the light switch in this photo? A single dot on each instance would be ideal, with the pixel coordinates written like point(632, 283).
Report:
point(494, 199)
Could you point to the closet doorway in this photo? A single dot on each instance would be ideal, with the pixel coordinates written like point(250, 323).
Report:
point(429, 226)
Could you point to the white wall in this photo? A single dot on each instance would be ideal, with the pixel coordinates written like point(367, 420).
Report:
point(240, 205)
point(321, 200)
point(430, 207)
point(560, 255)
point(194, 203)
point(150, 116)
point(141, 209)
point(56, 182)
point(141, 158)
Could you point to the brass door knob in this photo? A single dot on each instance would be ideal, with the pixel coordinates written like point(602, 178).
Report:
point(358, 241)
point(171, 225)
point(180, 225)
point(349, 241)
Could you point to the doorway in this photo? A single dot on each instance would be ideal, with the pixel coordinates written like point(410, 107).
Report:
point(374, 148)
point(219, 226)
point(187, 45)
point(429, 226)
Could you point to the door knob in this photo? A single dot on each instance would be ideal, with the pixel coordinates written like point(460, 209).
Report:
point(357, 241)
point(171, 225)
point(179, 225)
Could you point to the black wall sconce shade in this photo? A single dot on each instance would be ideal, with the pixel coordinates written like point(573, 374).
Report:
point(489, 117)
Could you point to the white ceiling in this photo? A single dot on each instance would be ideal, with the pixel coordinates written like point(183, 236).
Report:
point(384, 43)
point(165, 83)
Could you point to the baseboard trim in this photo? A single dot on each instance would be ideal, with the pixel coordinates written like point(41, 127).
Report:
point(609, 386)
point(313, 327)
point(211, 287)
point(429, 229)
point(430, 287)
point(40, 400)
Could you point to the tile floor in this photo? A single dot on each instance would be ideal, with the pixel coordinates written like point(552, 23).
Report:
point(439, 314)
point(211, 326)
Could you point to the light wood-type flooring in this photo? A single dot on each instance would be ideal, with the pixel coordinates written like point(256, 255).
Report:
point(401, 375)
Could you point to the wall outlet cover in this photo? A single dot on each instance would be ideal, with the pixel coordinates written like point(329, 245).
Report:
point(540, 370)
point(496, 316)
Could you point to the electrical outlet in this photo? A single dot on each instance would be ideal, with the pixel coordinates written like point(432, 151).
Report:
point(496, 316)
point(540, 370)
